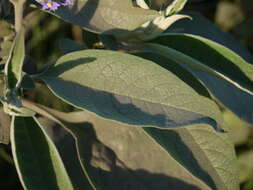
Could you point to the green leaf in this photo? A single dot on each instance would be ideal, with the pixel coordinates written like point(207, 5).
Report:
point(36, 158)
point(13, 68)
point(103, 15)
point(128, 89)
point(235, 70)
point(4, 127)
point(177, 70)
point(175, 6)
point(115, 155)
point(66, 144)
point(201, 26)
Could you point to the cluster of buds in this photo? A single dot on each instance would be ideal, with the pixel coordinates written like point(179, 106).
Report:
point(53, 5)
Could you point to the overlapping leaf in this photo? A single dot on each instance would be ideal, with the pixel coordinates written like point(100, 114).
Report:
point(13, 68)
point(128, 89)
point(236, 72)
point(201, 26)
point(118, 156)
point(36, 158)
point(105, 15)
point(175, 6)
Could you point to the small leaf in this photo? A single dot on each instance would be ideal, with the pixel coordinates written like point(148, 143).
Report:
point(36, 158)
point(128, 89)
point(175, 6)
point(13, 68)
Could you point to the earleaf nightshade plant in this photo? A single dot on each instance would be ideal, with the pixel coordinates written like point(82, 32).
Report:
point(147, 113)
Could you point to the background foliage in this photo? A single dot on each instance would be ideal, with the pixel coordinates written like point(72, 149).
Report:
point(44, 33)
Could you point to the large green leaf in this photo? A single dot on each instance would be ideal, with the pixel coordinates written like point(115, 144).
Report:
point(36, 158)
point(235, 70)
point(117, 156)
point(128, 89)
point(119, 18)
point(105, 15)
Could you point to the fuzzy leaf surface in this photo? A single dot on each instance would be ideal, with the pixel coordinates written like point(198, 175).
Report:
point(36, 158)
point(129, 89)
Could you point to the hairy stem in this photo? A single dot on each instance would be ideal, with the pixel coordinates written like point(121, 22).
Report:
point(19, 8)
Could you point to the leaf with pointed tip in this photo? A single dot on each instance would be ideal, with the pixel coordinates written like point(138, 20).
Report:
point(195, 157)
point(175, 6)
point(128, 89)
point(36, 158)
point(237, 72)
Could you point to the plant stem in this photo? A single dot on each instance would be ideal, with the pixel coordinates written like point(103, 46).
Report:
point(19, 8)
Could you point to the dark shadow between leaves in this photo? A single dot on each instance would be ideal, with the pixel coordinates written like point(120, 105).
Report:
point(71, 64)
point(181, 152)
point(112, 173)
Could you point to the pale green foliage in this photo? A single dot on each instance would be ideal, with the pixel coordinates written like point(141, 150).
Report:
point(150, 116)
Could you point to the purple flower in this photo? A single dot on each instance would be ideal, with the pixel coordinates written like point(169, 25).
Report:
point(52, 5)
